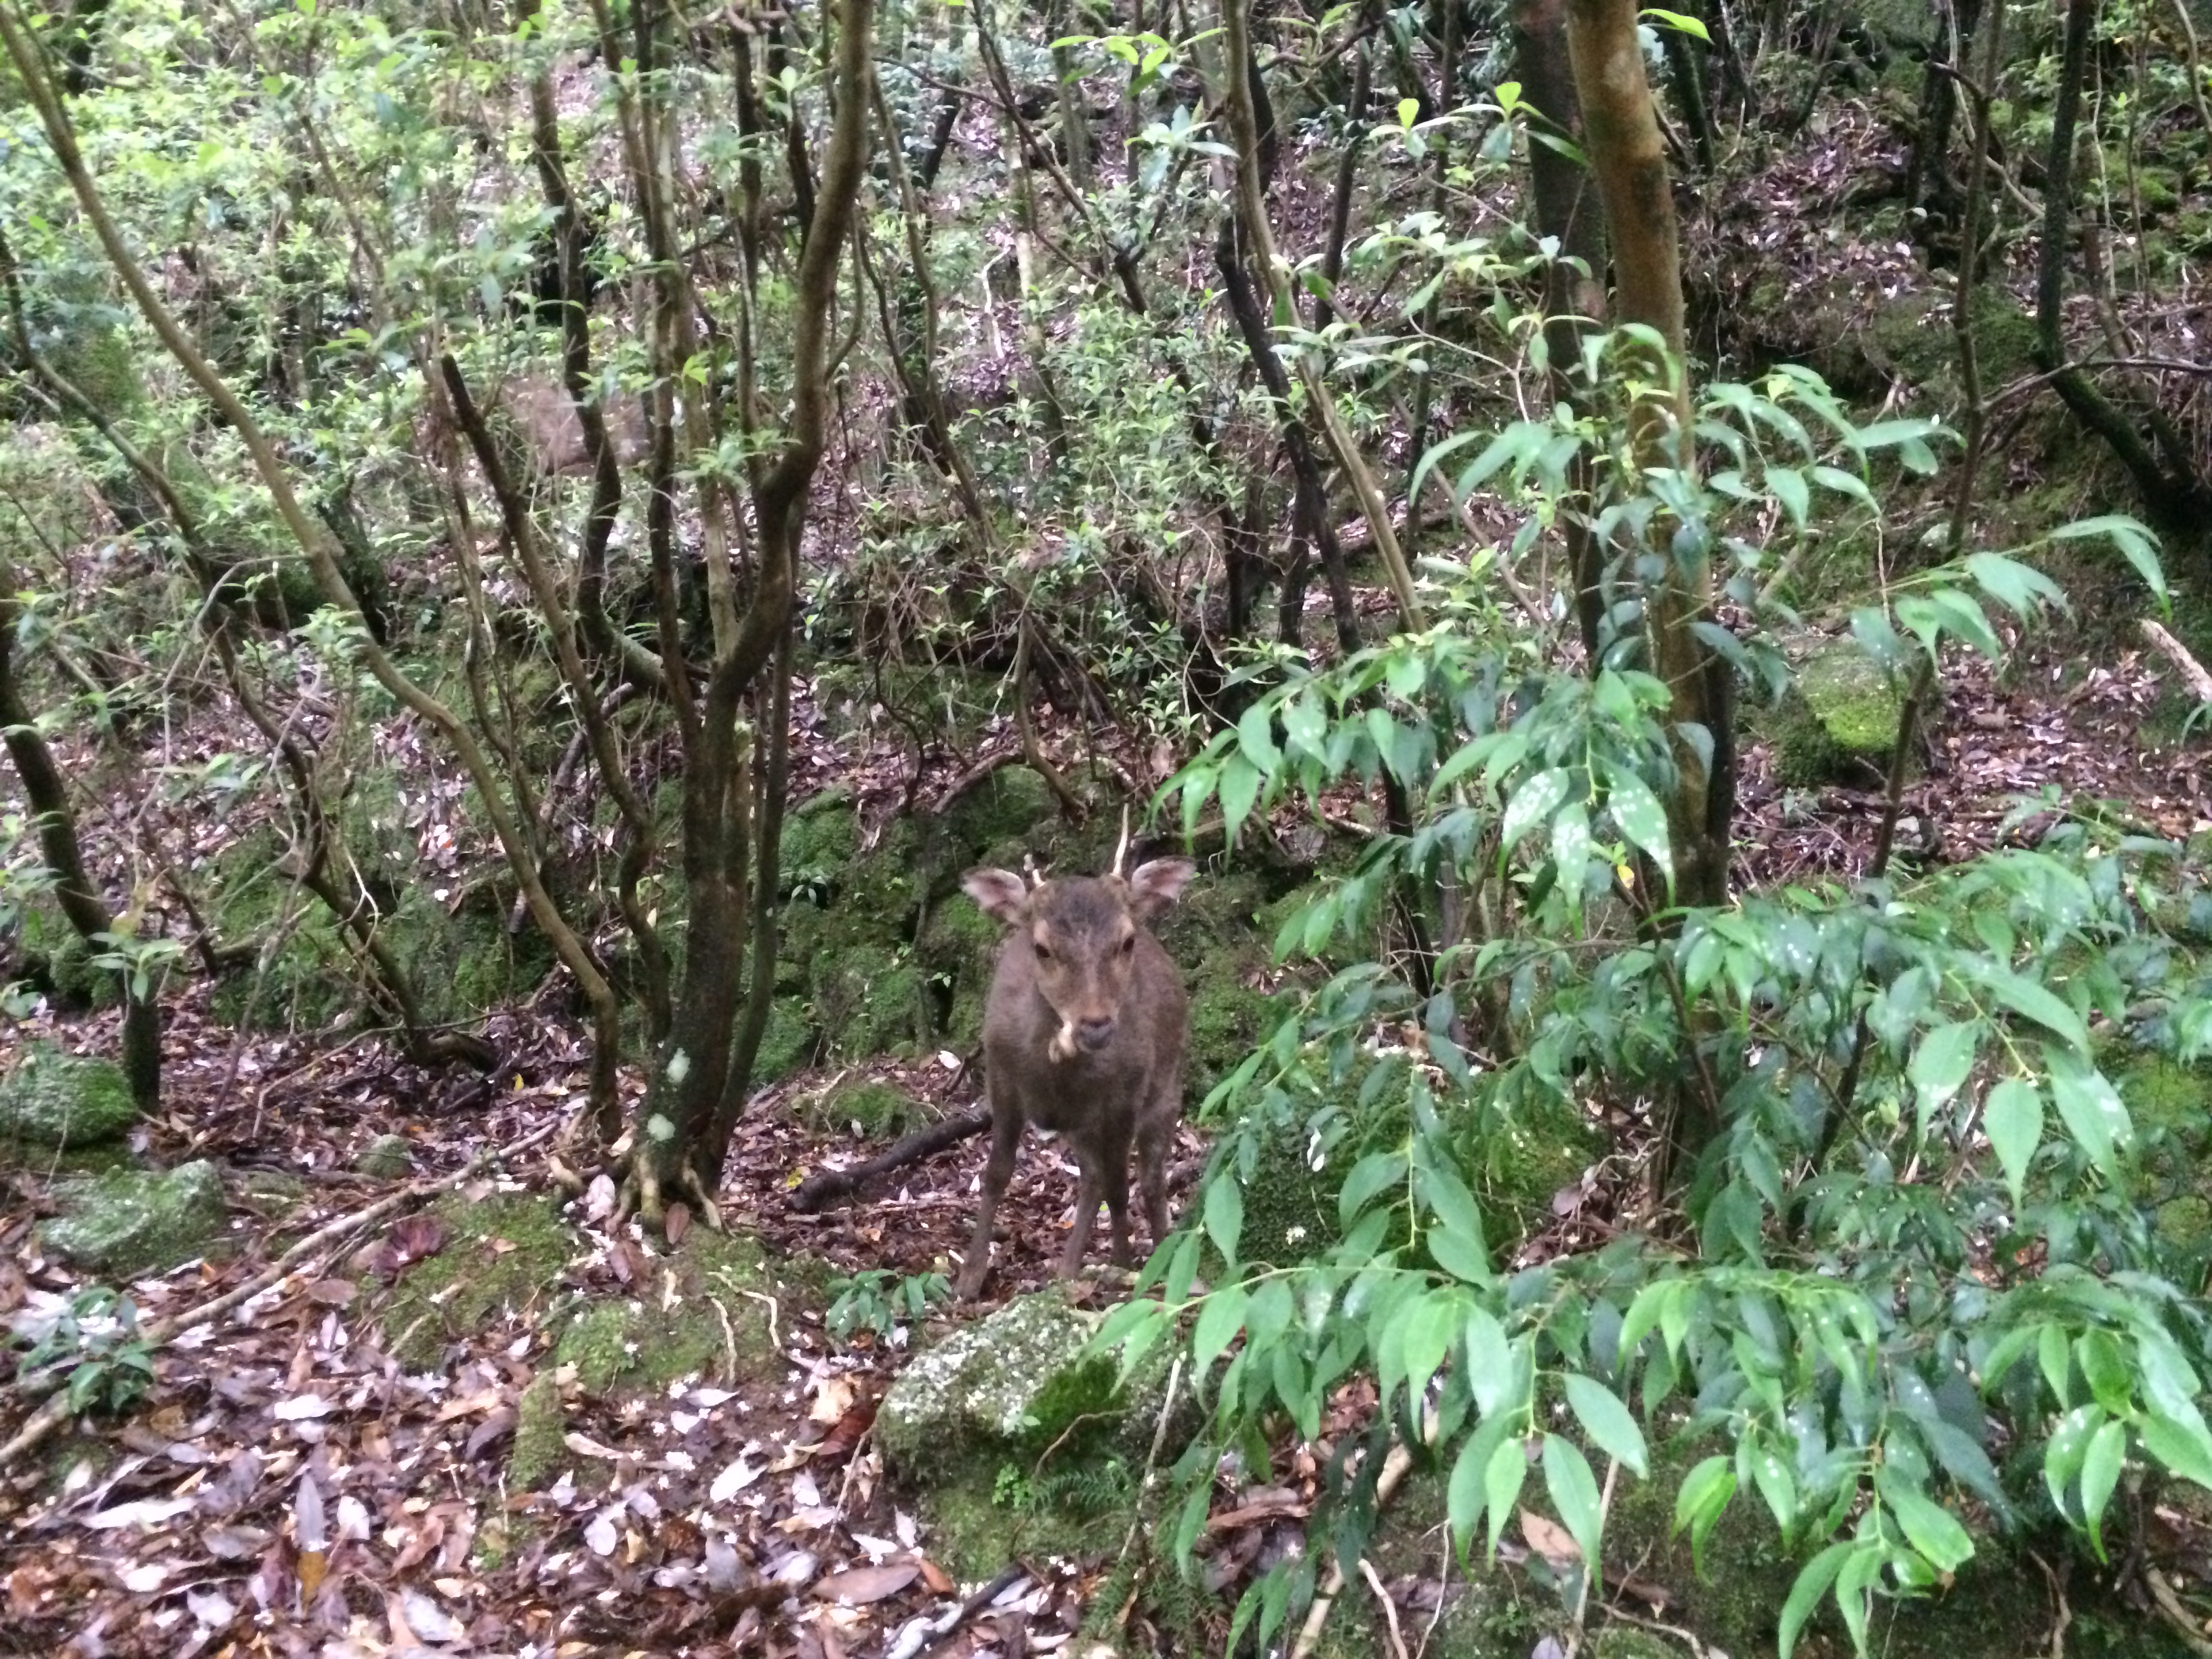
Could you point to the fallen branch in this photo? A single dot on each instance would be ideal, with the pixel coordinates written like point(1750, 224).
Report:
point(56, 1412)
point(818, 1188)
point(2193, 672)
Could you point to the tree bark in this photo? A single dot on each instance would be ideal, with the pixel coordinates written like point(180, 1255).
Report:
point(1629, 158)
point(1565, 207)
point(63, 855)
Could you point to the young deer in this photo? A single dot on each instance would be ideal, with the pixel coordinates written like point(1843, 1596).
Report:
point(1083, 1035)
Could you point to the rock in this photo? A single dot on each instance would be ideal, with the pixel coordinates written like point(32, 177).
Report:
point(1015, 1380)
point(387, 1157)
point(880, 1110)
point(129, 1223)
point(1843, 720)
point(57, 1100)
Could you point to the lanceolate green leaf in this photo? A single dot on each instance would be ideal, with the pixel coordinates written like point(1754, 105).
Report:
point(1605, 1420)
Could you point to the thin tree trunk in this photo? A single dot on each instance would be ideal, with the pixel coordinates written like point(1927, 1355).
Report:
point(63, 855)
point(1628, 156)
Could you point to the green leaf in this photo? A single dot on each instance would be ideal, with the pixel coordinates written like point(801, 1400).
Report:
point(1532, 803)
point(1490, 1366)
point(1429, 1328)
point(1811, 1584)
point(1502, 1478)
point(2013, 1119)
point(2184, 1448)
point(1255, 737)
point(1240, 787)
point(1304, 723)
point(1675, 20)
point(1940, 1066)
point(1705, 1493)
point(1571, 849)
point(1369, 1176)
point(1225, 1213)
point(1789, 485)
point(1408, 110)
point(1573, 1488)
point(1776, 1484)
point(2089, 1107)
point(2064, 1452)
point(2031, 1001)
point(2134, 539)
point(1462, 1257)
point(1641, 818)
point(1928, 1527)
point(2100, 1474)
point(1607, 1421)
point(1218, 1321)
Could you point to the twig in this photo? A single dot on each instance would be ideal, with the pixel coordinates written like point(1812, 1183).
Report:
point(818, 1188)
point(2200, 681)
point(949, 1626)
point(1389, 1607)
point(1151, 1463)
point(56, 1412)
point(2177, 1617)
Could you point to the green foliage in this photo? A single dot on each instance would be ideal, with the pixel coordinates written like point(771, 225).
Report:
point(875, 1300)
point(95, 1336)
point(1915, 1283)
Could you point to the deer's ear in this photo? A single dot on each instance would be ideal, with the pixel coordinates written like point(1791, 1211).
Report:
point(1156, 885)
point(1001, 893)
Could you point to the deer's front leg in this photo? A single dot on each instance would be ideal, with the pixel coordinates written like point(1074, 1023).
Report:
point(1005, 1142)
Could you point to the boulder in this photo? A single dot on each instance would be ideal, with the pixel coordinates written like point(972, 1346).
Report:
point(1014, 1380)
point(129, 1223)
point(55, 1100)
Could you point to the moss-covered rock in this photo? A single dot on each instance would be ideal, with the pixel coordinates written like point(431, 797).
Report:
point(956, 952)
point(874, 1110)
point(500, 1267)
point(503, 1268)
point(54, 1100)
point(867, 1000)
point(705, 1328)
point(128, 1223)
point(387, 1157)
point(1013, 1382)
point(787, 1045)
point(1841, 722)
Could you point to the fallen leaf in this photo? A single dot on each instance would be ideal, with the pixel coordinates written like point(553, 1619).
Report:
point(1550, 1539)
point(859, 1586)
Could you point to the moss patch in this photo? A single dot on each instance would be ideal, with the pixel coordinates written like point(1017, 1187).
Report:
point(54, 1100)
point(501, 1263)
point(128, 1223)
point(1841, 722)
point(873, 1108)
point(541, 1426)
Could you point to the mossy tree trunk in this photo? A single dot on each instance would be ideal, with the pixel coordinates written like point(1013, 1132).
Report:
point(734, 770)
point(1626, 154)
point(63, 854)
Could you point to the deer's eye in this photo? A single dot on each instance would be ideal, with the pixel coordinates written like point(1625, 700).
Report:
point(1042, 954)
point(1129, 944)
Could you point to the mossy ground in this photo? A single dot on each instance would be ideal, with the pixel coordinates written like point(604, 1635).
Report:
point(502, 1266)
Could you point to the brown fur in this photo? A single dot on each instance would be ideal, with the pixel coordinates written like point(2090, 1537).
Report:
point(1083, 1035)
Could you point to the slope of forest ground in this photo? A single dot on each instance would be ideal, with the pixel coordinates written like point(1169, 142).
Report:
point(486, 1417)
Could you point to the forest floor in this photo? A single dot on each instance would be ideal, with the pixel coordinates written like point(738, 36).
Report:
point(751, 1514)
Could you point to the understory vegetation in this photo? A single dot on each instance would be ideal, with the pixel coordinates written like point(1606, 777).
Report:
point(1655, 559)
